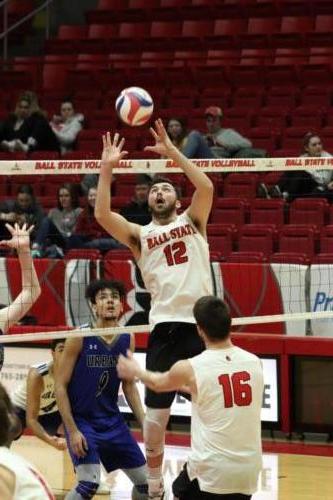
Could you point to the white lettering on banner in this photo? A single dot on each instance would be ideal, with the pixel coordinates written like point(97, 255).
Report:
point(321, 298)
point(19, 359)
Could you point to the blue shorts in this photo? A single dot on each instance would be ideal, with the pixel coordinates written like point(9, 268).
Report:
point(110, 443)
point(50, 421)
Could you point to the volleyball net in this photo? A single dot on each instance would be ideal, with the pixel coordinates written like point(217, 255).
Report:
point(271, 259)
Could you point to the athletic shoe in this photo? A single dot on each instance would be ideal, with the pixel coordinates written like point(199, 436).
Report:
point(103, 488)
point(275, 192)
point(262, 191)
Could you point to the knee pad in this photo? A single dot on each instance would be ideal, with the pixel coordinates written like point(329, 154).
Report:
point(140, 492)
point(86, 489)
point(154, 427)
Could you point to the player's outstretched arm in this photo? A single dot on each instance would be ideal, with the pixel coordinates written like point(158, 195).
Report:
point(20, 241)
point(179, 376)
point(115, 224)
point(62, 377)
point(132, 394)
point(202, 200)
point(35, 385)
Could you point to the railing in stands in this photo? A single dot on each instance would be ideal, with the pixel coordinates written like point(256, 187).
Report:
point(9, 29)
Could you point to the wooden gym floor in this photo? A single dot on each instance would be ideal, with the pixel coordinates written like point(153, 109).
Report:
point(284, 476)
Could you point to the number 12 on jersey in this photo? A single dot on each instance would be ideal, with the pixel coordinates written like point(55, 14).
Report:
point(175, 253)
point(236, 389)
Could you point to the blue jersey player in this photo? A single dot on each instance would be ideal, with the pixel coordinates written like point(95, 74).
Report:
point(87, 388)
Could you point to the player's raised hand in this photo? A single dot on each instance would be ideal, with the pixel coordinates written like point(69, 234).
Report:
point(127, 367)
point(113, 149)
point(20, 239)
point(163, 143)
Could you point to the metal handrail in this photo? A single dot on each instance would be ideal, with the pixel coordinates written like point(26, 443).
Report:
point(7, 30)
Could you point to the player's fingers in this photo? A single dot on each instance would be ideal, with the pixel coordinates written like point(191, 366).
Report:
point(153, 133)
point(150, 148)
point(129, 353)
point(123, 154)
point(115, 139)
point(10, 228)
point(121, 143)
point(30, 229)
point(104, 141)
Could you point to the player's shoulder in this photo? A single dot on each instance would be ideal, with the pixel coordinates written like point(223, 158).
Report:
point(246, 355)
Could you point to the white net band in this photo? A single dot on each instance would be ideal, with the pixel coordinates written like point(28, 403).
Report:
point(70, 167)
point(94, 332)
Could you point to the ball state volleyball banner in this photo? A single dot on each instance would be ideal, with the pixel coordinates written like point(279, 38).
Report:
point(256, 289)
point(92, 166)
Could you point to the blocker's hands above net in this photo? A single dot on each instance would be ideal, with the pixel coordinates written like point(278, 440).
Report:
point(163, 144)
point(113, 149)
point(20, 239)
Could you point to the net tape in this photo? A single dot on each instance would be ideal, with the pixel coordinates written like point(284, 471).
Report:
point(94, 332)
point(70, 167)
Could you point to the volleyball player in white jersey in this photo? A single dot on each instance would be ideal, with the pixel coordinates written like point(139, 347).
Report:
point(19, 480)
point(35, 403)
point(173, 256)
point(20, 241)
point(226, 384)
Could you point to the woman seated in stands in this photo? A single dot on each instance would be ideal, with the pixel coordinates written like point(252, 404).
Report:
point(23, 209)
point(27, 129)
point(88, 233)
point(191, 144)
point(67, 126)
point(56, 228)
point(303, 183)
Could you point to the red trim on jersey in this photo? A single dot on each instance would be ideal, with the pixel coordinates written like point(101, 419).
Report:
point(42, 481)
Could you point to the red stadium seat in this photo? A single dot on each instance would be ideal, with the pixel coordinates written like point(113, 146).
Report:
point(294, 31)
point(323, 258)
point(241, 185)
point(295, 238)
point(308, 211)
point(326, 239)
point(290, 258)
point(254, 236)
point(72, 32)
point(260, 31)
point(263, 138)
point(118, 255)
point(230, 211)
point(221, 244)
point(83, 253)
point(322, 34)
point(251, 257)
point(226, 33)
point(268, 211)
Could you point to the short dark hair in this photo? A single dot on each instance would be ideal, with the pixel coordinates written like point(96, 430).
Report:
point(143, 179)
point(55, 342)
point(95, 286)
point(213, 316)
point(6, 409)
point(158, 179)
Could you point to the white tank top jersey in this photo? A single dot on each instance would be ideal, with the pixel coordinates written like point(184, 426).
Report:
point(226, 430)
point(175, 268)
point(48, 402)
point(29, 483)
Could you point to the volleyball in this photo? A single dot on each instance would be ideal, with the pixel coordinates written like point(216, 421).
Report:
point(134, 106)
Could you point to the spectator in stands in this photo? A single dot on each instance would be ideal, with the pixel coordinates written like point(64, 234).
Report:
point(56, 228)
point(27, 129)
point(24, 209)
point(191, 144)
point(88, 233)
point(224, 142)
point(300, 183)
point(66, 126)
point(137, 210)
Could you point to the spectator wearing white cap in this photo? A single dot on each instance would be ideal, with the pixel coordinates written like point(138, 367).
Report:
point(223, 142)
